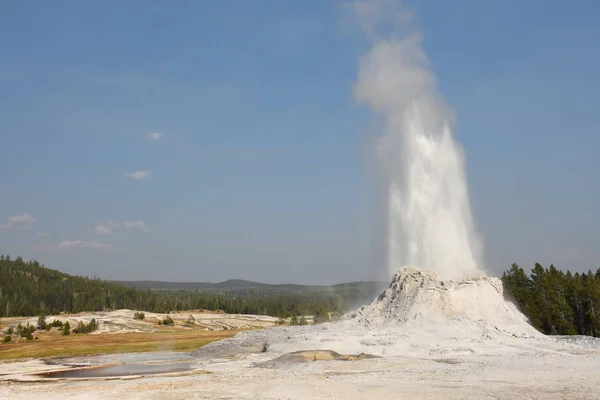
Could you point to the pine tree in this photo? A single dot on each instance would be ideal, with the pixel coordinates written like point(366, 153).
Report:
point(66, 329)
point(41, 322)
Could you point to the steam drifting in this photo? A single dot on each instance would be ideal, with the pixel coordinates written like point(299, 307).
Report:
point(429, 222)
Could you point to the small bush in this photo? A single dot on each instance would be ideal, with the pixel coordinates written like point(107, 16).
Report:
point(41, 322)
point(66, 329)
point(83, 328)
point(321, 316)
point(56, 323)
point(191, 321)
point(80, 328)
point(139, 316)
point(27, 331)
point(29, 336)
point(10, 331)
point(92, 326)
point(7, 339)
point(168, 321)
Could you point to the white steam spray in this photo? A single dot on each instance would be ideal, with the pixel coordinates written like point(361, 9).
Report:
point(429, 217)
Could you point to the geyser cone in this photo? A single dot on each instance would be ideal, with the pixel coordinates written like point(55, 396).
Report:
point(417, 298)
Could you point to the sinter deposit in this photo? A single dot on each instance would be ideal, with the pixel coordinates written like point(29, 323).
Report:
point(416, 315)
point(417, 299)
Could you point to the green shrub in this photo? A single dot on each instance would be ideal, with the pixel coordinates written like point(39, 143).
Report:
point(7, 339)
point(41, 322)
point(139, 315)
point(168, 321)
point(92, 326)
point(321, 316)
point(27, 331)
point(56, 323)
point(80, 328)
point(67, 329)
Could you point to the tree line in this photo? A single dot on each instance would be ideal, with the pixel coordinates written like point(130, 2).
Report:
point(27, 288)
point(556, 302)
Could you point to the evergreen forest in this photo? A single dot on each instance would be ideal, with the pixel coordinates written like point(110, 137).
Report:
point(29, 289)
point(556, 302)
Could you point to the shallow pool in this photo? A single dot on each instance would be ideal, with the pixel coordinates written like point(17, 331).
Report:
point(118, 370)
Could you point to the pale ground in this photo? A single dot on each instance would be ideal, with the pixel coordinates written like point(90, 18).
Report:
point(434, 340)
point(518, 369)
point(121, 321)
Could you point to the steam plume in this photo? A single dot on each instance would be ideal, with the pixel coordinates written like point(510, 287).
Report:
point(429, 221)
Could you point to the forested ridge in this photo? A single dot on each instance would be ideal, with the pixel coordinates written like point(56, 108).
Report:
point(556, 302)
point(29, 288)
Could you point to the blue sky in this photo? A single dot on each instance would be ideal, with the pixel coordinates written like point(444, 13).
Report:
point(264, 169)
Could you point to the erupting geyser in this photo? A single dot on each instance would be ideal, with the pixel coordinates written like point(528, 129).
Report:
point(429, 218)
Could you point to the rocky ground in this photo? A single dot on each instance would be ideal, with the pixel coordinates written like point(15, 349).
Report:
point(524, 369)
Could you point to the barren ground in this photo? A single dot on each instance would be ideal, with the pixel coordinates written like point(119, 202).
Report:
point(416, 369)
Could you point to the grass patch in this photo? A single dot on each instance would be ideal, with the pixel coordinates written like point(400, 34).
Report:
point(54, 344)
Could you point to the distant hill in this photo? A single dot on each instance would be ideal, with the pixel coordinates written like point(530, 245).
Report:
point(229, 284)
point(237, 284)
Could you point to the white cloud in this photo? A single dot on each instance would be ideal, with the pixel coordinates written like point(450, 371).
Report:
point(102, 230)
point(138, 175)
point(43, 234)
point(81, 244)
point(23, 221)
point(134, 225)
point(107, 227)
point(156, 136)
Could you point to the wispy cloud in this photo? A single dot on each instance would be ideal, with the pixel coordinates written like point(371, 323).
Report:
point(43, 234)
point(81, 244)
point(156, 136)
point(22, 221)
point(138, 175)
point(107, 227)
point(103, 230)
